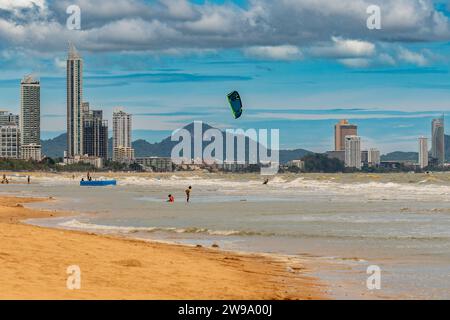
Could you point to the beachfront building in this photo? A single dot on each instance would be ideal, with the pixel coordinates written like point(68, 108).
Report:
point(93, 161)
point(74, 103)
point(374, 157)
point(423, 152)
point(10, 141)
point(123, 154)
point(30, 118)
point(353, 152)
point(438, 140)
point(341, 130)
point(122, 150)
point(156, 164)
point(31, 152)
point(95, 133)
point(7, 118)
point(300, 164)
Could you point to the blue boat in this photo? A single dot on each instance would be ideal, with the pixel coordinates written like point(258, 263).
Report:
point(99, 183)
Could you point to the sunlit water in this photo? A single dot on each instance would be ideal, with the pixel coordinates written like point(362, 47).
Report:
point(398, 222)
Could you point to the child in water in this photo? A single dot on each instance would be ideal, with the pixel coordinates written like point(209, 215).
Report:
point(171, 199)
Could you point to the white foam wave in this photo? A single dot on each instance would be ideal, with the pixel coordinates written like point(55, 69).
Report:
point(75, 224)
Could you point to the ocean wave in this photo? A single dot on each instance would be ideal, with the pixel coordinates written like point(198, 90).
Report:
point(375, 189)
point(75, 224)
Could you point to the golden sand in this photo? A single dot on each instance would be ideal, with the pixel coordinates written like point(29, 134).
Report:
point(34, 262)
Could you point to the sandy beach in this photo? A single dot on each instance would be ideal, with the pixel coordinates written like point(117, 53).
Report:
point(34, 262)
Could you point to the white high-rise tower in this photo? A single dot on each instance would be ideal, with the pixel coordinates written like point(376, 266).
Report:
point(74, 103)
point(423, 152)
point(122, 150)
point(353, 152)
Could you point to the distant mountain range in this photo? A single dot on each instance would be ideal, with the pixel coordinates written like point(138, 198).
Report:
point(55, 148)
point(413, 156)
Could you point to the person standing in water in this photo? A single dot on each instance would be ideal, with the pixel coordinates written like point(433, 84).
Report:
point(29, 179)
point(188, 194)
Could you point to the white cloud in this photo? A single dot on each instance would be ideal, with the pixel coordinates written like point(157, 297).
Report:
point(12, 5)
point(264, 28)
point(344, 48)
point(285, 52)
point(411, 57)
point(180, 9)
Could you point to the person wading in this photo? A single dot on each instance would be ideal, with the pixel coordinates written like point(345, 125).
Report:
point(188, 193)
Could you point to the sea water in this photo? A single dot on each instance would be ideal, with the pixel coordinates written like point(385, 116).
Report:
point(399, 222)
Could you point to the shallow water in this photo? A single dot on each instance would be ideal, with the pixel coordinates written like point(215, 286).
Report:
point(399, 222)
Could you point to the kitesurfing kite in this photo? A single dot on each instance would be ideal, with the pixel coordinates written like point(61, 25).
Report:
point(236, 104)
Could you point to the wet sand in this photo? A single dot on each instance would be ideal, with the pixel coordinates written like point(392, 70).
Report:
point(34, 262)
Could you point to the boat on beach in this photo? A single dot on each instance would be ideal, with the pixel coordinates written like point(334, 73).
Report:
point(98, 183)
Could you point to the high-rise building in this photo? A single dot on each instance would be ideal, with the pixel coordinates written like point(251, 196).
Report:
point(374, 157)
point(438, 140)
point(122, 150)
point(10, 141)
point(423, 152)
point(7, 118)
point(95, 133)
point(30, 117)
point(341, 130)
point(353, 152)
point(365, 158)
point(74, 103)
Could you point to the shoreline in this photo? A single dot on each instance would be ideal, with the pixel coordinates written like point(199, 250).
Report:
point(35, 259)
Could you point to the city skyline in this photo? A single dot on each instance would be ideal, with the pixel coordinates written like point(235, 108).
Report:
point(301, 86)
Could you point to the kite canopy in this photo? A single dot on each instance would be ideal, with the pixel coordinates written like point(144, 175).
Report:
point(235, 103)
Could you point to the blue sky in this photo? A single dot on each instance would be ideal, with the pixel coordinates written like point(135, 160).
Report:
point(299, 65)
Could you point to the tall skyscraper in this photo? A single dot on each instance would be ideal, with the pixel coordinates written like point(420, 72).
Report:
point(122, 150)
point(95, 133)
point(423, 152)
point(30, 117)
point(438, 140)
point(343, 129)
point(353, 152)
point(74, 103)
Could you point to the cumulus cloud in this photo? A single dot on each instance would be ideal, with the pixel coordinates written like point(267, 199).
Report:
point(264, 28)
point(14, 5)
point(285, 52)
point(344, 48)
point(412, 57)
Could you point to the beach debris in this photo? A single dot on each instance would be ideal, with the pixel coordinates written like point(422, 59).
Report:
point(133, 263)
point(215, 245)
